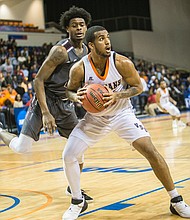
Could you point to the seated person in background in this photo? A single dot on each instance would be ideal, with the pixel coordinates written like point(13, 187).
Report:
point(20, 90)
point(168, 105)
point(7, 96)
point(151, 106)
point(12, 93)
point(18, 101)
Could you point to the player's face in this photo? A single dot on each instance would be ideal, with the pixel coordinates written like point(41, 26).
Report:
point(163, 85)
point(102, 44)
point(77, 29)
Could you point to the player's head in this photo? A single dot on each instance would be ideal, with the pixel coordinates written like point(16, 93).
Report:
point(163, 84)
point(97, 39)
point(75, 22)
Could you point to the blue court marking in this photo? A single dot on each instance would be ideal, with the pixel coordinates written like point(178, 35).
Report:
point(108, 169)
point(16, 202)
point(123, 203)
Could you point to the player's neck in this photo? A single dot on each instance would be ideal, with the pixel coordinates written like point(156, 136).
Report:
point(99, 63)
point(76, 44)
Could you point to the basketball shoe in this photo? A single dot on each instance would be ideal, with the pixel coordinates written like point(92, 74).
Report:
point(181, 124)
point(179, 207)
point(76, 207)
point(86, 197)
point(174, 124)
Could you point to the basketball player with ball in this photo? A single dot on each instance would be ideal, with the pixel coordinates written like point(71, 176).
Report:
point(115, 72)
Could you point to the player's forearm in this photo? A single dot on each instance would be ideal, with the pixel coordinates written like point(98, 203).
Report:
point(71, 95)
point(130, 92)
point(40, 94)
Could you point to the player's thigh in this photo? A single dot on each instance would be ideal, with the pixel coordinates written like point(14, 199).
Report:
point(65, 117)
point(33, 121)
point(172, 109)
point(128, 127)
point(91, 129)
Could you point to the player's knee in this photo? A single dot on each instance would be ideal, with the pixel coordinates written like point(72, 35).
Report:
point(23, 149)
point(21, 144)
point(68, 157)
point(81, 159)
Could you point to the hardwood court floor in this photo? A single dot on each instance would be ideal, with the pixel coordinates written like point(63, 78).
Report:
point(32, 186)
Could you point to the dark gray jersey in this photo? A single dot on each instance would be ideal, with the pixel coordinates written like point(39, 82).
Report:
point(56, 84)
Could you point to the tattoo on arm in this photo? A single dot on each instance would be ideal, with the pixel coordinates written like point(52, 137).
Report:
point(57, 56)
point(130, 92)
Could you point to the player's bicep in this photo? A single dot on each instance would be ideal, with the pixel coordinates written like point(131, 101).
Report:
point(76, 76)
point(128, 72)
point(56, 56)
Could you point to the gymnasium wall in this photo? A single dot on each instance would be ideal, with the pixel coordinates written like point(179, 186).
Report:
point(29, 11)
point(169, 42)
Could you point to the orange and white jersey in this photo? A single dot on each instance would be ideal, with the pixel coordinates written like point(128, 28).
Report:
point(164, 96)
point(111, 78)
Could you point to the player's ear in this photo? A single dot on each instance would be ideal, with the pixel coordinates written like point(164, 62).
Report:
point(90, 45)
point(67, 29)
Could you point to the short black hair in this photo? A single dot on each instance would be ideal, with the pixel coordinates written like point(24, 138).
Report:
point(90, 37)
point(74, 12)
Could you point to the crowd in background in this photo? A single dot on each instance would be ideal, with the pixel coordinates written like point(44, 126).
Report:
point(19, 65)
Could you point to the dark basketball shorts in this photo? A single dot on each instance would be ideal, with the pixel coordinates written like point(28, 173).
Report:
point(63, 112)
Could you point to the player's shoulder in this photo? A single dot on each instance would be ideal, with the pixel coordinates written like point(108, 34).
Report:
point(58, 53)
point(78, 66)
point(123, 61)
point(122, 58)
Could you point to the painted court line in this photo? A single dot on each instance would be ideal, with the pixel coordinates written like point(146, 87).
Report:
point(122, 204)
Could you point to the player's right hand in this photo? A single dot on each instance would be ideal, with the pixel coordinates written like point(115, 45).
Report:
point(49, 124)
point(80, 94)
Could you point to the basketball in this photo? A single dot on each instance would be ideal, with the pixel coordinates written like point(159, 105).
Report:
point(93, 99)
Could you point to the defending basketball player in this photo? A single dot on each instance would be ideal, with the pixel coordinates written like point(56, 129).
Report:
point(106, 67)
point(50, 107)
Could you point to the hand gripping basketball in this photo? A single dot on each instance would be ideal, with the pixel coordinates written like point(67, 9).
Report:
point(93, 99)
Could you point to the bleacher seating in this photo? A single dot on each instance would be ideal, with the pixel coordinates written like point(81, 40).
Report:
point(18, 26)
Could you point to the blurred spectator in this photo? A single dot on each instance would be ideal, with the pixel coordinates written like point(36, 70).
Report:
point(7, 96)
point(25, 71)
point(18, 103)
point(2, 80)
point(7, 67)
point(143, 97)
point(11, 94)
point(151, 107)
point(20, 90)
point(21, 58)
point(8, 79)
point(26, 98)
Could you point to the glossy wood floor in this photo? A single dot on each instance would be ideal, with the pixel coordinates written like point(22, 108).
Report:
point(32, 186)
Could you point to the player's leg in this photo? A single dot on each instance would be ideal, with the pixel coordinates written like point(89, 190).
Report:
point(176, 116)
point(66, 119)
point(137, 135)
point(79, 140)
point(147, 149)
point(29, 132)
point(73, 151)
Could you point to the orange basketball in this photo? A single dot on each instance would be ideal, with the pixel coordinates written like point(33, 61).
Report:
point(93, 100)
